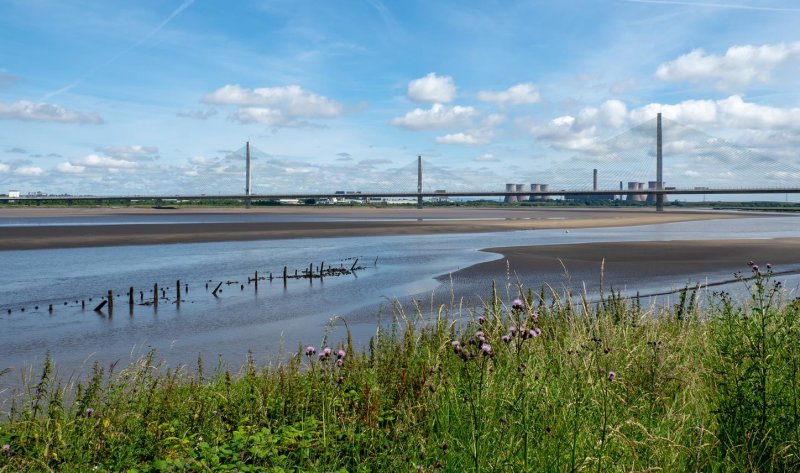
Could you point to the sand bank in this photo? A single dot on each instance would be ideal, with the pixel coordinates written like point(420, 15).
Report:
point(354, 222)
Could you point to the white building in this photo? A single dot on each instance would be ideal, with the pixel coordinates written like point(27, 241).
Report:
point(13, 194)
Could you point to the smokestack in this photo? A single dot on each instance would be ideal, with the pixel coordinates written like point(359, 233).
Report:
point(594, 180)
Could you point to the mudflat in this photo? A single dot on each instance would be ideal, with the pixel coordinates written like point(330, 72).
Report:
point(273, 223)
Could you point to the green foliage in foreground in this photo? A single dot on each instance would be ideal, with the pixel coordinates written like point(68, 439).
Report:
point(534, 386)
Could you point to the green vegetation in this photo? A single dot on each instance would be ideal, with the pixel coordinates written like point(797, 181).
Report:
point(543, 383)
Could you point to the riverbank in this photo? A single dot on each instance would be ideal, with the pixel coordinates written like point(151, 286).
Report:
point(62, 230)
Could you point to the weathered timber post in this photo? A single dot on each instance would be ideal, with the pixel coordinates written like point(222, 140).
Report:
point(256, 280)
point(130, 297)
point(155, 295)
point(178, 292)
point(110, 302)
point(284, 276)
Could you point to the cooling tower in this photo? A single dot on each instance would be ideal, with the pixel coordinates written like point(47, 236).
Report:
point(640, 197)
point(510, 198)
point(651, 185)
point(631, 197)
point(634, 186)
point(536, 188)
point(522, 198)
point(545, 188)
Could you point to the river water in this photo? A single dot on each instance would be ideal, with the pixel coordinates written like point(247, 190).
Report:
point(273, 318)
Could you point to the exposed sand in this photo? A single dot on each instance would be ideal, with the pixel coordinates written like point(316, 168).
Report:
point(368, 222)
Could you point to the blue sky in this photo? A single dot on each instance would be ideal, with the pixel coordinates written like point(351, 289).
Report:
point(152, 96)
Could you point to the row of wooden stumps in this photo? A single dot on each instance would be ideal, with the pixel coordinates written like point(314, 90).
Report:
point(109, 301)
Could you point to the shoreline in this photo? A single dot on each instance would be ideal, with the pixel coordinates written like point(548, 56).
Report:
point(351, 222)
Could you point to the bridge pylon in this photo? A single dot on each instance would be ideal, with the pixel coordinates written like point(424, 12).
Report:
point(659, 166)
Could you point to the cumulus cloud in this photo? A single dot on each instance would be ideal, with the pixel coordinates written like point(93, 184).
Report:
point(4, 168)
point(274, 106)
point(107, 162)
point(69, 168)
point(485, 158)
point(198, 114)
point(25, 110)
point(130, 153)
point(462, 139)
point(739, 67)
point(521, 94)
point(432, 89)
point(30, 171)
point(438, 116)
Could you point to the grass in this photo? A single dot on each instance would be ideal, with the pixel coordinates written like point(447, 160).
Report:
point(541, 383)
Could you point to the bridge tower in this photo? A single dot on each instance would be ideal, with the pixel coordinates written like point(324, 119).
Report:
point(659, 166)
point(419, 181)
point(247, 178)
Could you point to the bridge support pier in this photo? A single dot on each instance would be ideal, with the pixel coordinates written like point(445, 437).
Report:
point(419, 181)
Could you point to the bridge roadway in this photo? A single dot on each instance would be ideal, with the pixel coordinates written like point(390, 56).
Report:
point(413, 195)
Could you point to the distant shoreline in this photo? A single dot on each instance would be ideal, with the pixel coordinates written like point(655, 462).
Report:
point(365, 222)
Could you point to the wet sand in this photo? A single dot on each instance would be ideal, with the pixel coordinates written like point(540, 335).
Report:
point(352, 221)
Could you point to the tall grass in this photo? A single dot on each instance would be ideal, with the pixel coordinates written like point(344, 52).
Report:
point(540, 383)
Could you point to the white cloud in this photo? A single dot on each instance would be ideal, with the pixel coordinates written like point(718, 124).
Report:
point(29, 171)
point(432, 89)
point(732, 112)
point(461, 139)
point(739, 67)
point(25, 110)
point(69, 168)
point(95, 161)
point(438, 116)
point(4, 168)
point(485, 158)
point(621, 86)
point(263, 115)
point(129, 153)
point(291, 100)
point(520, 94)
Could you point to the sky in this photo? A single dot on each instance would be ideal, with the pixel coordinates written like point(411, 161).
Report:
point(159, 96)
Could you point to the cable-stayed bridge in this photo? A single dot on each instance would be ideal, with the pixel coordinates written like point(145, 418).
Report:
point(653, 160)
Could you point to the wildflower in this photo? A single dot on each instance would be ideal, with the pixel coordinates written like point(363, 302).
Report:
point(199, 438)
point(340, 354)
point(480, 336)
point(755, 268)
point(505, 338)
point(534, 316)
point(538, 332)
point(512, 330)
point(517, 304)
point(6, 449)
point(612, 375)
point(89, 411)
point(327, 351)
point(310, 351)
point(481, 320)
point(769, 267)
point(456, 347)
point(486, 349)
point(340, 362)
point(532, 333)
point(322, 356)
point(750, 263)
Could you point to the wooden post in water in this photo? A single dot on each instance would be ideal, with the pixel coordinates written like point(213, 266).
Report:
point(321, 270)
point(130, 297)
point(155, 295)
point(256, 280)
point(110, 302)
point(214, 292)
point(284, 276)
point(178, 292)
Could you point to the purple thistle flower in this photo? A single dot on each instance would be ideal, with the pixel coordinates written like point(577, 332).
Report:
point(532, 333)
point(612, 375)
point(538, 331)
point(481, 320)
point(769, 267)
point(505, 338)
point(534, 316)
point(750, 263)
point(339, 362)
point(340, 354)
point(486, 349)
point(310, 351)
point(327, 351)
point(516, 304)
point(456, 347)
point(322, 356)
point(512, 330)
point(89, 411)
point(755, 268)
point(6, 449)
